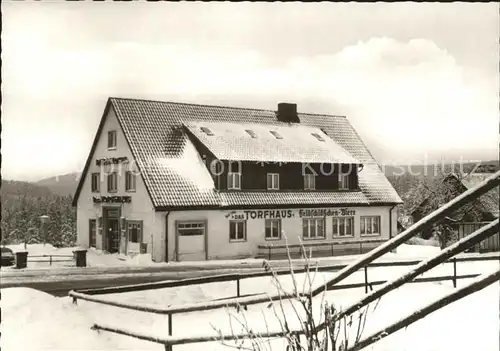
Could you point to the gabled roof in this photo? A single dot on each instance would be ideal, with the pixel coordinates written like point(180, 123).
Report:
point(292, 143)
point(176, 177)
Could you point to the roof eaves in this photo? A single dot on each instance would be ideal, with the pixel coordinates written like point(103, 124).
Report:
point(91, 153)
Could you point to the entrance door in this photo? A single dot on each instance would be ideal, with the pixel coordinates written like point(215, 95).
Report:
point(113, 235)
point(191, 241)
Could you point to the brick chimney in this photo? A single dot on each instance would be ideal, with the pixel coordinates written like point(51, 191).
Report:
point(287, 113)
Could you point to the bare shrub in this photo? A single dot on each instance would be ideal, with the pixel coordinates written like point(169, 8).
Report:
point(319, 328)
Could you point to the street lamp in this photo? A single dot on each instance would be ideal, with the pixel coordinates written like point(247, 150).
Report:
point(44, 219)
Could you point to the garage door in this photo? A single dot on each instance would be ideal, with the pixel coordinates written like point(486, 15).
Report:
point(191, 240)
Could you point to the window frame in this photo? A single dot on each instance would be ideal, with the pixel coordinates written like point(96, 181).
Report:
point(363, 221)
point(275, 181)
point(266, 226)
point(315, 237)
point(128, 182)
point(309, 176)
point(344, 181)
point(112, 139)
point(231, 183)
point(141, 231)
point(97, 184)
point(237, 238)
point(193, 226)
point(115, 175)
point(336, 224)
point(92, 232)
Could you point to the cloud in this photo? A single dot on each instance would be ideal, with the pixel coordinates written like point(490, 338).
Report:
point(405, 98)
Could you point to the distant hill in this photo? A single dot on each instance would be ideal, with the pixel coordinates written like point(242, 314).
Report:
point(433, 170)
point(14, 188)
point(61, 185)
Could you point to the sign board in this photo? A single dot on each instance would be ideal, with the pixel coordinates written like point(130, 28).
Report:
point(284, 214)
point(118, 199)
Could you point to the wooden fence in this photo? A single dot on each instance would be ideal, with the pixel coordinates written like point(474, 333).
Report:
point(488, 245)
point(328, 247)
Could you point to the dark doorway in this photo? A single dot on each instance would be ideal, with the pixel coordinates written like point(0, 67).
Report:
point(112, 230)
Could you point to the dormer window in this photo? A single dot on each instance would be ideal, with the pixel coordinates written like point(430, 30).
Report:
point(344, 181)
point(317, 136)
point(273, 181)
point(207, 131)
point(309, 182)
point(251, 133)
point(112, 140)
point(276, 134)
point(234, 176)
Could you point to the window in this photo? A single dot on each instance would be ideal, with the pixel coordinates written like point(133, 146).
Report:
point(237, 230)
point(276, 134)
point(313, 228)
point(317, 136)
point(92, 232)
point(309, 182)
point(130, 181)
point(273, 229)
point(344, 181)
point(370, 225)
point(134, 231)
point(191, 228)
point(95, 182)
point(234, 176)
point(343, 226)
point(207, 131)
point(251, 133)
point(273, 181)
point(112, 182)
point(112, 139)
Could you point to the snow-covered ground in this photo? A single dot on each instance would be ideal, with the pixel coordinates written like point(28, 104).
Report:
point(33, 320)
point(95, 258)
point(98, 258)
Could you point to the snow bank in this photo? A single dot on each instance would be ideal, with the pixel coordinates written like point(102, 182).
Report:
point(34, 320)
point(416, 251)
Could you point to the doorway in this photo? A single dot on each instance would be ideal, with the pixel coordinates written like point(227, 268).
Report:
point(112, 229)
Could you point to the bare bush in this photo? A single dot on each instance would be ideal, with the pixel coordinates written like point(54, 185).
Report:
point(319, 328)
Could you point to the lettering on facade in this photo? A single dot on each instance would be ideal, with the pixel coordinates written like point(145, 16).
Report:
point(110, 160)
point(260, 214)
point(283, 214)
point(327, 212)
point(108, 199)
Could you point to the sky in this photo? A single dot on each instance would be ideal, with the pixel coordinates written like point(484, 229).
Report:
point(419, 82)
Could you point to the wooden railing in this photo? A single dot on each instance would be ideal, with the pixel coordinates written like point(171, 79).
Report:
point(424, 266)
point(331, 244)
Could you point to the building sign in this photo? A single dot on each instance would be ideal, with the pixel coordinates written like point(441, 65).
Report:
point(108, 199)
point(283, 214)
point(110, 160)
point(327, 212)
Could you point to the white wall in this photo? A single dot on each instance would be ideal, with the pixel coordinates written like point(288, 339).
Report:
point(140, 208)
point(220, 247)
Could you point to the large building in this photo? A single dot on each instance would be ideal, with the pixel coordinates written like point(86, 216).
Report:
point(196, 182)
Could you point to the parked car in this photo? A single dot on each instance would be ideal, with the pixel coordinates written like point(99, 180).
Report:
point(8, 257)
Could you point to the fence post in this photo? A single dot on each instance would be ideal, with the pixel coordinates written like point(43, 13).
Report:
point(238, 287)
point(50, 260)
point(366, 279)
point(169, 347)
point(454, 272)
point(269, 253)
point(361, 248)
point(332, 250)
